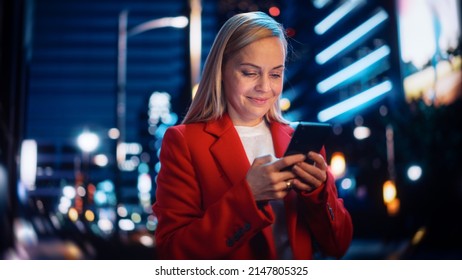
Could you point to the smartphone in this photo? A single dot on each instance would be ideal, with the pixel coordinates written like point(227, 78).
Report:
point(308, 136)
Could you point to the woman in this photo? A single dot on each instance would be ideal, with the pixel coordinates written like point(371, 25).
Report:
point(221, 193)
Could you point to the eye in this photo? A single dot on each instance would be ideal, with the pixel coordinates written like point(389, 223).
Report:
point(276, 75)
point(249, 73)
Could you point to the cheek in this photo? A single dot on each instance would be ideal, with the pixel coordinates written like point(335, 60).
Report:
point(233, 90)
point(277, 87)
point(230, 80)
point(238, 86)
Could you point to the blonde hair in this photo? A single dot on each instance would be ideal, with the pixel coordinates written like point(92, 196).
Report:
point(239, 31)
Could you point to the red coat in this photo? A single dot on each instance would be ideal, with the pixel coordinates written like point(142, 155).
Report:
point(205, 208)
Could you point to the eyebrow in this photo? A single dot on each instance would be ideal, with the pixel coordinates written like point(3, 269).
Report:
point(256, 66)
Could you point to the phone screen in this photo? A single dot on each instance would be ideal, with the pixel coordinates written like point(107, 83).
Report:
point(308, 136)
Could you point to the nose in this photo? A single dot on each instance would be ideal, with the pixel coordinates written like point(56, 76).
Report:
point(264, 84)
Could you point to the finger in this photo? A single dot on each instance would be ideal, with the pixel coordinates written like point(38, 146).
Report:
point(262, 160)
point(318, 159)
point(283, 189)
point(281, 194)
point(285, 185)
point(288, 161)
point(278, 191)
point(309, 174)
point(300, 185)
point(304, 169)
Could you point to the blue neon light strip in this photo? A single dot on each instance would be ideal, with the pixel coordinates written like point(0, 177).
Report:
point(351, 37)
point(321, 3)
point(336, 16)
point(355, 101)
point(352, 70)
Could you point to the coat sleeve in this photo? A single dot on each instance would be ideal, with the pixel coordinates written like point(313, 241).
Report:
point(187, 231)
point(328, 219)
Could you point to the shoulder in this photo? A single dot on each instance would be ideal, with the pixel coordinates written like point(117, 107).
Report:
point(188, 137)
point(213, 128)
point(188, 132)
point(186, 128)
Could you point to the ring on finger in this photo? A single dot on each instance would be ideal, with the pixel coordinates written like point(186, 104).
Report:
point(288, 185)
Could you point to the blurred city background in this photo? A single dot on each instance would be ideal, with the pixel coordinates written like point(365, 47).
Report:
point(87, 89)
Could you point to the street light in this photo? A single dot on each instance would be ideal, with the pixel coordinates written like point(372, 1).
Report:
point(124, 34)
point(88, 141)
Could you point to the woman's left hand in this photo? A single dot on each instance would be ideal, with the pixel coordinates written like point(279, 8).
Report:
point(310, 176)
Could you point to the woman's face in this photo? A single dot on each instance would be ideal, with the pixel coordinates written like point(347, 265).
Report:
point(253, 80)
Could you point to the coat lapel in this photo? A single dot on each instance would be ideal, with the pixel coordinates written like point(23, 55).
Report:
point(281, 137)
point(228, 150)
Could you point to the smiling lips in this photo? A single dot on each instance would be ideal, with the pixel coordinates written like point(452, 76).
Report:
point(258, 101)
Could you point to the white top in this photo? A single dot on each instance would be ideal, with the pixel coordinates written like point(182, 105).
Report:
point(257, 142)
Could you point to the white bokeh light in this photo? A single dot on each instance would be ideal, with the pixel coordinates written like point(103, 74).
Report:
point(88, 141)
point(414, 172)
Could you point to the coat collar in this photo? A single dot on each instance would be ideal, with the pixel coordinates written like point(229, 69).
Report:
point(281, 134)
point(228, 152)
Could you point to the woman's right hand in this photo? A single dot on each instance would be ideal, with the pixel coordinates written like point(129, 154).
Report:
point(267, 181)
